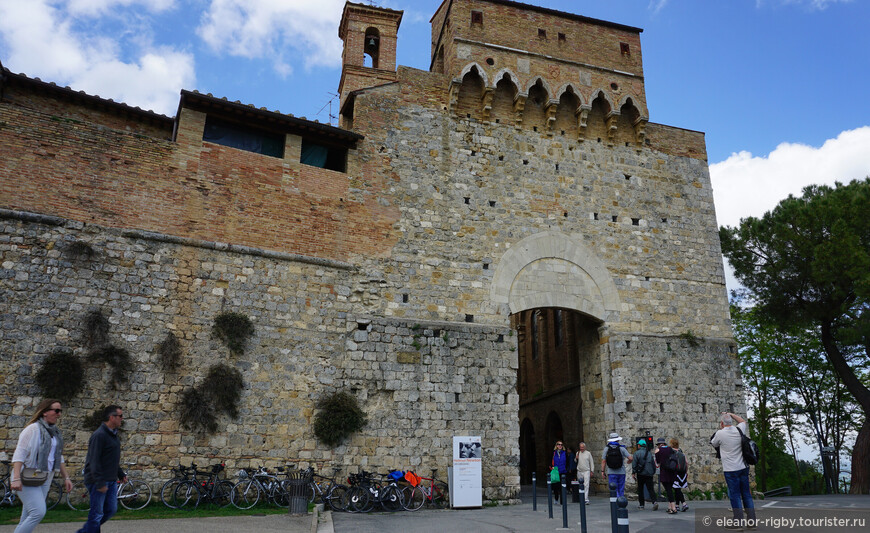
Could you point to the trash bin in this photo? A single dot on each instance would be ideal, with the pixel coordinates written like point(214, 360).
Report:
point(297, 485)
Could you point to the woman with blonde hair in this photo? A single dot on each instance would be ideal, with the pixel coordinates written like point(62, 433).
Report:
point(40, 446)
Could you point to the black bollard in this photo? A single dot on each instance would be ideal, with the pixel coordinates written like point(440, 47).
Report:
point(550, 496)
point(613, 507)
point(534, 491)
point(622, 515)
point(582, 507)
point(564, 502)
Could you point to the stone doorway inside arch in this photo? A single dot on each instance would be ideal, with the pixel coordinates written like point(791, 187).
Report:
point(558, 352)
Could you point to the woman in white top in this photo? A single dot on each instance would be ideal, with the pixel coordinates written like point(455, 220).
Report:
point(40, 445)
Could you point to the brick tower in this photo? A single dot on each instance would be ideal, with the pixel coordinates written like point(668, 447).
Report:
point(369, 55)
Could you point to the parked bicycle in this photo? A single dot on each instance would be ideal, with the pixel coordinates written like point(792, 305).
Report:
point(52, 498)
point(368, 489)
point(180, 474)
point(257, 485)
point(134, 494)
point(434, 494)
point(191, 493)
point(325, 489)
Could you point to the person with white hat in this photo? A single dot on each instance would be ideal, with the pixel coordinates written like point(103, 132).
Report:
point(613, 463)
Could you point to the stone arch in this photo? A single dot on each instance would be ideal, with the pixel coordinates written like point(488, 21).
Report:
point(480, 72)
point(566, 112)
point(600, 118)
point(564, 88)
point(372, 47)
point(506, 88)
point(553, 269)
point(534, 81)
point(506, 72)
point(632, 100)
point(537, 102)
point(601, 93)
point(469, 97)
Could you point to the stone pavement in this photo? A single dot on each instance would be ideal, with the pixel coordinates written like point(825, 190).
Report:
point(513, 518)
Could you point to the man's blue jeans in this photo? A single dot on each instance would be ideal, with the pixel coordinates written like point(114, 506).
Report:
point(738, 489)
point(103, 506)
point(619, 479)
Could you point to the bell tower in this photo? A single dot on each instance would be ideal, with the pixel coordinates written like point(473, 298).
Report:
point(369, 55)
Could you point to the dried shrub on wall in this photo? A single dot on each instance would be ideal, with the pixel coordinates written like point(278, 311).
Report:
point(61, 375)
point(96, 330)
point(234, 330)
point(339, 417)
point(80, 250)
point(119, 361)
point(219, 393)
point(170, 351)
point(92, 421)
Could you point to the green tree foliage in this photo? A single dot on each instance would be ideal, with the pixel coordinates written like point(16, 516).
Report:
point(807, 264)
point(782, 370)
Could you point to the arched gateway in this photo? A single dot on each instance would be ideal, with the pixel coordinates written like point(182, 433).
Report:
point(560, 296)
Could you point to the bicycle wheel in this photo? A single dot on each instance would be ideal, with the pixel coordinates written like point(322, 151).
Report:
point(186, 495)
point(358, 500)
point(55, 494)
point(79, 499)
point(439, 495)
point(336, 498)
point(134, 494)
point(391, 498)
point(245, 494)
point(167, 493)
point(414, 498)
point(223, 493)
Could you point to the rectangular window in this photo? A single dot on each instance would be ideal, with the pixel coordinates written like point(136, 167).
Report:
point(323, 156)
point(624, 49)
point(542, 34)
point(243, 137)
point(557, 326)
point(561, 36)
point(477, 17)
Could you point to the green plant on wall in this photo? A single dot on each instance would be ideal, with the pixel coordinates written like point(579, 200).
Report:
point(119, 361)
point(219, 393)
point(234, 330)
point(691, 339)
point(169, 351)
point(92, 421)
point(339, 416)
point(61, 375)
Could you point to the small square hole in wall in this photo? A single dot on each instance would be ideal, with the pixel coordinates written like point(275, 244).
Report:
point(565, 214)
point(635, 222)
point(498, 121)
point(469, 318)
point(362, 327)
point(557, 166)
point(542, 33)
point(668, 345)
point(599, 139)
point(468, 115)
point(535, 128)
point(664, 220)
point(594, 216)
point(628, 406)
point(628, 344)
point(486, 266)
point(500, 338)
point(404, 298)
point(561, 36)
point(661, 407)
point(474, 152)
point(646, 278)
point(614, 218)
point(627, 176)
point(467, 200)
point(456, 397)
point(501, 158)
point(477, 17)
point(525, 161)
point(492, 203)
point(626, 144)
point(624, 49)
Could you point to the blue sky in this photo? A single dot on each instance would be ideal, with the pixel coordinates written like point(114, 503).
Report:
point(779, 86)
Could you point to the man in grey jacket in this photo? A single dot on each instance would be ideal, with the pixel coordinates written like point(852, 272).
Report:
point(103, 470)
point(728, 441)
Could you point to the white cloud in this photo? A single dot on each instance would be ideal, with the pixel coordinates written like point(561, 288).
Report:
point(819, 5)
point(43, 39)
point(745, 185)
point(276, 30)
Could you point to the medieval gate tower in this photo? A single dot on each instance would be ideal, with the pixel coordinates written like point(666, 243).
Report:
point(503, 245)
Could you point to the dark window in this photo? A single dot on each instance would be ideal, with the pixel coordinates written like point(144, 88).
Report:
point(558, 327)
point(624, 49)
point(561, 36)
point(542, 34)
point(243, 137)
point(536, 316)
point(477, 17)
point(323, 156)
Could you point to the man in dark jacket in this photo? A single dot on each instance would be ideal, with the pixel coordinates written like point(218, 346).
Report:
point(103, 470)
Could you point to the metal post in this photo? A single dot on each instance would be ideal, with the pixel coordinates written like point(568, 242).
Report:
point(564, 501)
point(613, 507)
point(549, 496)
point(534, 491)
point(622, 515)
point(582, 507)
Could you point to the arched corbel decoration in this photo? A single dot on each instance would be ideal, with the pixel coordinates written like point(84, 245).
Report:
point(639, 117)
point(506, 87)
point(456, 86)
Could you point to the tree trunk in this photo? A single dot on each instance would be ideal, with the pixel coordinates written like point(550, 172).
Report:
point(861, 461)
point(861, 452)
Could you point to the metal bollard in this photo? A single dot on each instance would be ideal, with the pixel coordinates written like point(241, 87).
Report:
point(613, 507)
point(582, 507)
point(549, 496)
point(622, 515)
point(564, 502)
point(534, 491)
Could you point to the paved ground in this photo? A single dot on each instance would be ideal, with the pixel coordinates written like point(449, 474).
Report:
point(514, 518)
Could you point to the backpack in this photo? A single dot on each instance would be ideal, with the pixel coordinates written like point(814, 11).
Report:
point(751, 455)
point(676, 463)
point(643, 464)
point(613, 457)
